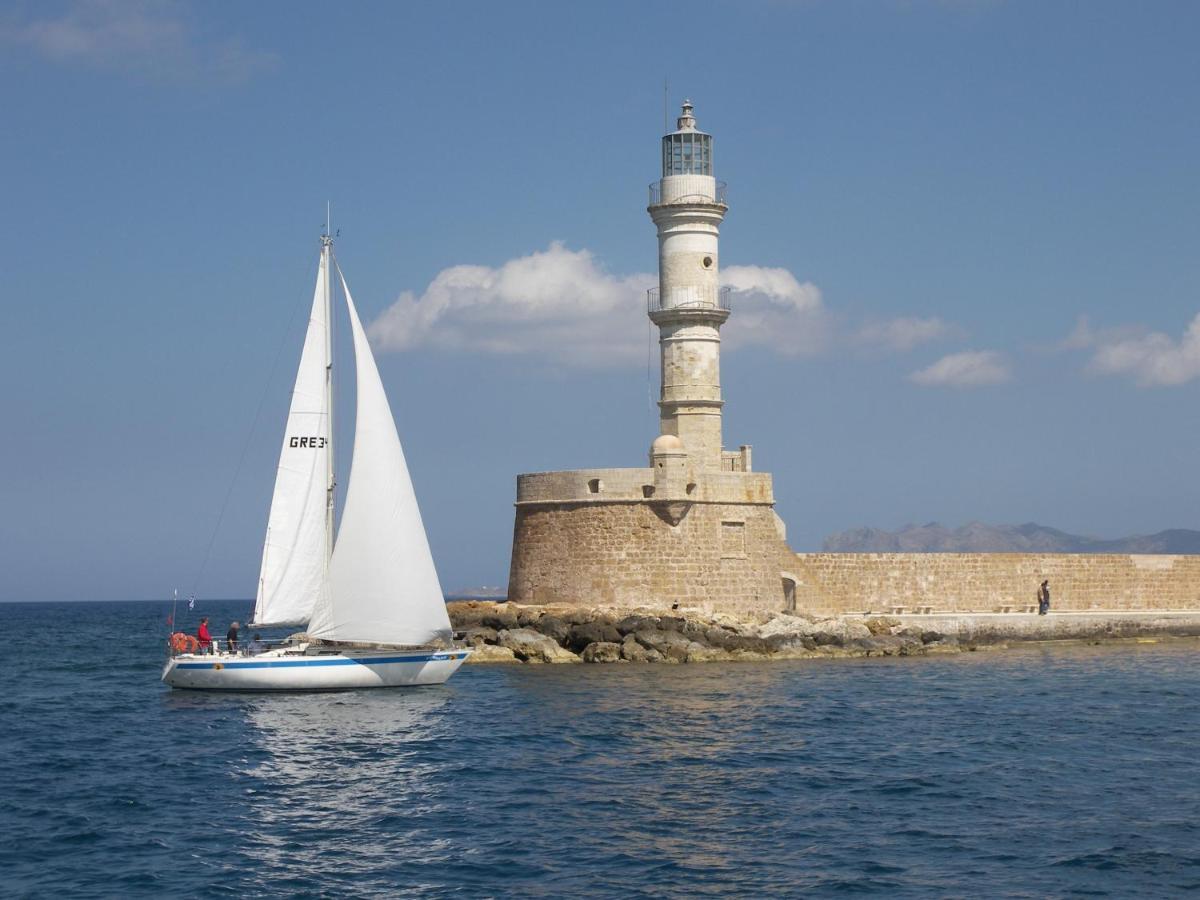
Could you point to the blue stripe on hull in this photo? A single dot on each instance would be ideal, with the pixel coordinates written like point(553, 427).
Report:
point(313, 662)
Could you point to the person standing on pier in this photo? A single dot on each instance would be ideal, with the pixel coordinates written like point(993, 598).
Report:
point(1044, 598)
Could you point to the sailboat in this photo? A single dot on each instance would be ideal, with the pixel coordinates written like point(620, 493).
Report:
point(371, 602)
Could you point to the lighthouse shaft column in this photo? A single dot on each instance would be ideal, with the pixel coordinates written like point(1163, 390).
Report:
point(689, 307)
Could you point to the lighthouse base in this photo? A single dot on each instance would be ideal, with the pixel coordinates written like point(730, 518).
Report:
point(613, 537)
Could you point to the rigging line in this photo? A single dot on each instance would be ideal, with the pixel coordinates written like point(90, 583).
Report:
point(245, 448)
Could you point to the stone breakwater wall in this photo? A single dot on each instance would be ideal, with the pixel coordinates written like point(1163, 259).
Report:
point(510, 633)
point(841, 583)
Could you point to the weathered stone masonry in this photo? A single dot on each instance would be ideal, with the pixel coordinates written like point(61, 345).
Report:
point(995, 582)
point(593, 537)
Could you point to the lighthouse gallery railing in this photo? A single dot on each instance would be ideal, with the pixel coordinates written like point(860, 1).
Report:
point(715, 196)
point(689, 298)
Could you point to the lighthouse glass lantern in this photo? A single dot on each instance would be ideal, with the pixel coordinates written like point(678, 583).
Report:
point(687, 153)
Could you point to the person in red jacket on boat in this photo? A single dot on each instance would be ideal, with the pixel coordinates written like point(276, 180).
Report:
point(204, 637)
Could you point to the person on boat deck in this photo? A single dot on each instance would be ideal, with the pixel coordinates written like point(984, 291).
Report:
point(256, 645)
point(231, 638)
point(203, 636)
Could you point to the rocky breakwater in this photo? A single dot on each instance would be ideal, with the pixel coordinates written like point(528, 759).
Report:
point(508, 632)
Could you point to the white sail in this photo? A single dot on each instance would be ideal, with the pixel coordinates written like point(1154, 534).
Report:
point(293, 576)
point(383, 586)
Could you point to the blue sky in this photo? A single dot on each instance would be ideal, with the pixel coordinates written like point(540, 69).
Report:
point(963, 239)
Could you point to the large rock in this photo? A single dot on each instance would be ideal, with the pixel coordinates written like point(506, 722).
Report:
point(721, 638)
point(828, 639)
point(881, 625)
point(467, 613)
point(531, 646)
point(671, 644)
point(553, 627)
point(708, 654)
point(527, 616)
point(579, 616)
point(891, 645)
point(672, 623)
point(797, 627)
point(846, 629)
point(730, 642)
point(586, 633)
point(602, 652)
point(481, 634)
point(635, 652)
point(487, 653)
point(632, 623)
point(499, 616)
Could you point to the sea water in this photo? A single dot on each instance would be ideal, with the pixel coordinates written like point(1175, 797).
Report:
point(1034, 772)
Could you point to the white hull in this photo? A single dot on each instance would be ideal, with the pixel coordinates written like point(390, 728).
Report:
point(289, 670)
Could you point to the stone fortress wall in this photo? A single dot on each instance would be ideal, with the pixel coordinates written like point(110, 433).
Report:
point(839, 583)
point(615, 537)
point(697, 528)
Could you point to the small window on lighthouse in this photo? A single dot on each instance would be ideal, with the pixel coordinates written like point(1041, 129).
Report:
point(733, 540)
point(708, 262)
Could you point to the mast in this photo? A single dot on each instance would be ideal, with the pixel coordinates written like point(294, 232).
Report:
point(327, 254)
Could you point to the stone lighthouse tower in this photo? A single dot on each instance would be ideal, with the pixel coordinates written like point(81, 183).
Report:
point(697, 527)
point(687, 205)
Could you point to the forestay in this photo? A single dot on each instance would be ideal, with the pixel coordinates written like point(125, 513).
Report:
point(383, 586)
point(293, 574)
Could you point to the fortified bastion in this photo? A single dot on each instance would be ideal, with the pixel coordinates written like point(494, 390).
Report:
point(697, 526)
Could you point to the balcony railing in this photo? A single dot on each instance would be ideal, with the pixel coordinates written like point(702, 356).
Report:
point(689, 298)
point(714, 196)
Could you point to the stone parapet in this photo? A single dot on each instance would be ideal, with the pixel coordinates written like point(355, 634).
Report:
point(638, 485)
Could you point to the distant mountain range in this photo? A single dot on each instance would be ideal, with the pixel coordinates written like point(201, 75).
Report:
point(485, 592)
point(977, 537)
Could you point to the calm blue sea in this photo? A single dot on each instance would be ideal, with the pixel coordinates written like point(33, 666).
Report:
point(1048, 771)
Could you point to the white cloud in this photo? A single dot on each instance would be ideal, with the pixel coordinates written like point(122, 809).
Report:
point(1153, 359)
point(556, 303)
point(905, 333)
point(972, 368)
point(154, 37)
point(560, 304)
point(773, 309)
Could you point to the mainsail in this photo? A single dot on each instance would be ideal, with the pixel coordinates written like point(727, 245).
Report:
point(296, 552)
point(383, 586)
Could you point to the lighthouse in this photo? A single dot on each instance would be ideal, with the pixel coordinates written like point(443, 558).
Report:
point(687, 205)
point(696, 528)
